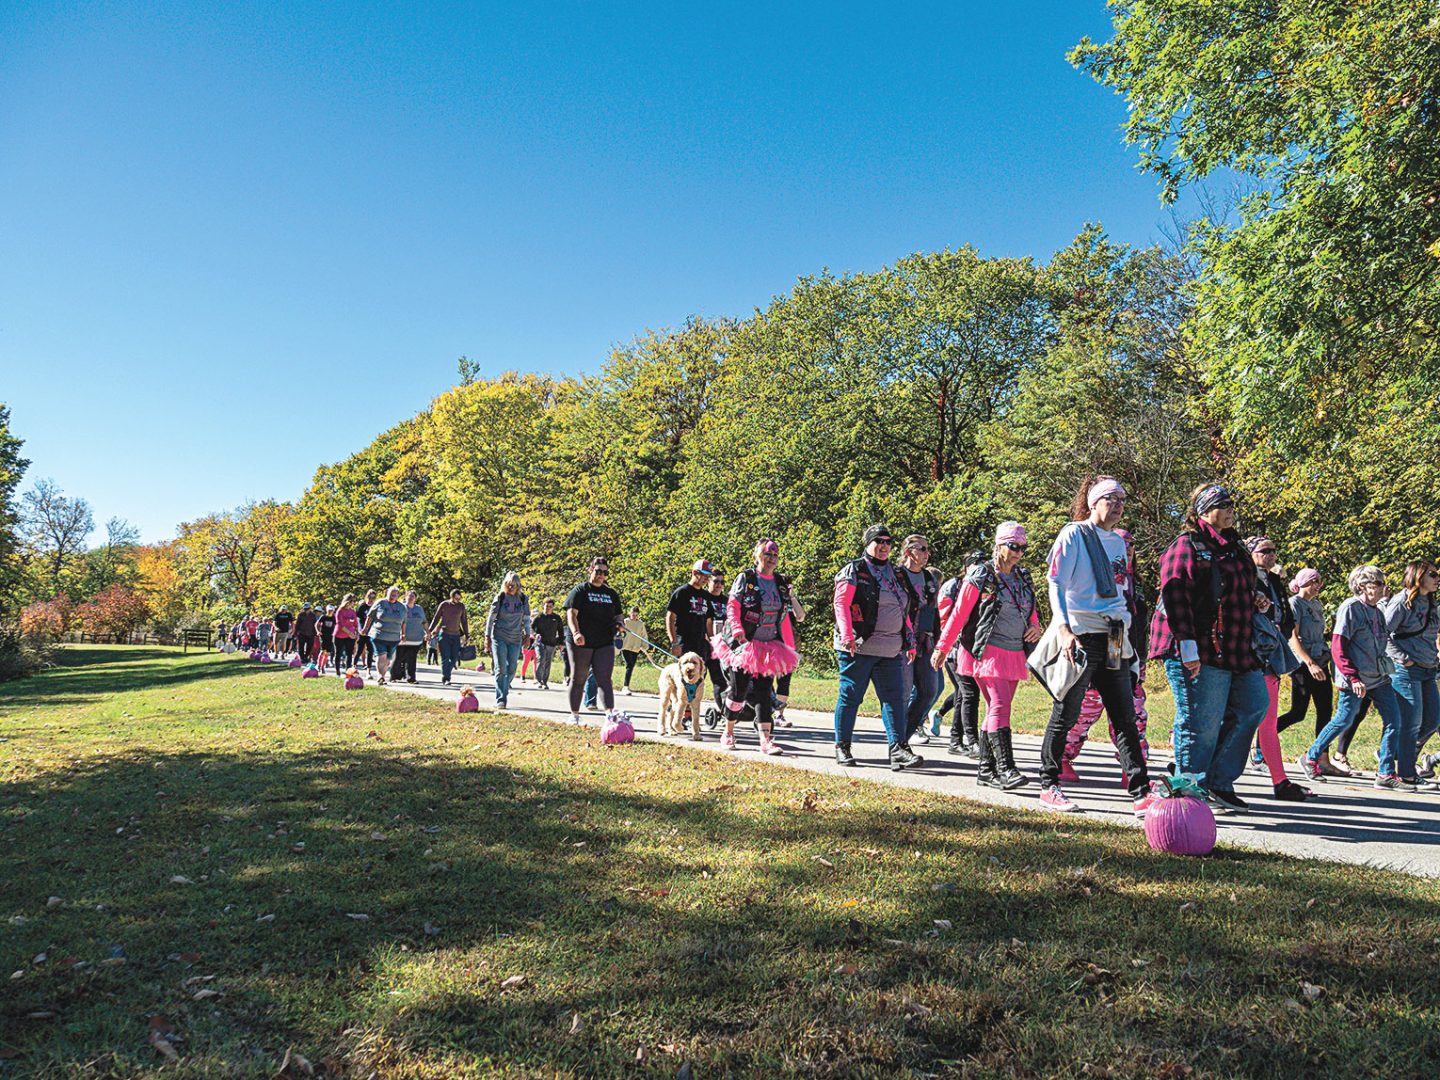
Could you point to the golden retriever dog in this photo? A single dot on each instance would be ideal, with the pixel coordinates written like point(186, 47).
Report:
point(682, 691)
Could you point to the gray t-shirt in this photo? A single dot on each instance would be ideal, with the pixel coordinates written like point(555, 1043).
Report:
point(1013, 612)
point(1420, 621)
point(414, 625)
point(509, 619)
point(389, 618)
point(1310, 622)
point(1363, 628)
point(888, 637)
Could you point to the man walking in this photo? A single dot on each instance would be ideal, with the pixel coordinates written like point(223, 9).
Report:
point(549, 631)
point(452, 622)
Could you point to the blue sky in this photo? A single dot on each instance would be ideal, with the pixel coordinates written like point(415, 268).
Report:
point(242, 239)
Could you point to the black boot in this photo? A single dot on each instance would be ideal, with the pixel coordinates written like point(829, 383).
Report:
point(1010, 777)
point(986, 777)
point(843, 755)
point(902, 757)
point(956, 747)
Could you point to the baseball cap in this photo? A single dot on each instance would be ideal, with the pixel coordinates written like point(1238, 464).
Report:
point(703, 566)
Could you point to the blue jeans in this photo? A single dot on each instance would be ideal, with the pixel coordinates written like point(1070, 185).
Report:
point(449, 655)
point(1211, 746)
point(925, 684)
point(889, 674)
point(506, 655)
point(1419, 704)
point(1386, 704)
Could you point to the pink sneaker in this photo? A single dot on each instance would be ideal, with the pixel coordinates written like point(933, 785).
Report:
point(1068, 774)
point(1052, 798)
point(1145, 802)
point(767, 746)
point(727, 741)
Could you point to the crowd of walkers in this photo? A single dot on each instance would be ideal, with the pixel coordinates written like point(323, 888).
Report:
point(1226, 629)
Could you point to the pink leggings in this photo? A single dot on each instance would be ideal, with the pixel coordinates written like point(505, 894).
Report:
point(1090, 710)
point(1270, 734)
point(999, 693)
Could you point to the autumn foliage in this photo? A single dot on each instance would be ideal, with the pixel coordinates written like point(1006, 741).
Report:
point(46, 618)
point(117, 611)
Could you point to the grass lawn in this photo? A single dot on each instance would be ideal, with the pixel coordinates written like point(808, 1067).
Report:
point(220, 862)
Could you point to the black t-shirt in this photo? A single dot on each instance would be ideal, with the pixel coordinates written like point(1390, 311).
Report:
point(550, 628)
point(719, 608)
point(600, 614)
point(326, 625)
point(283, 621)
point(691, 607)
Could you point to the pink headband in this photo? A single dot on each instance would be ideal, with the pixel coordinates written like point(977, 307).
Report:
point(1101, 488)
point(1303, 578)
point(1010, 532)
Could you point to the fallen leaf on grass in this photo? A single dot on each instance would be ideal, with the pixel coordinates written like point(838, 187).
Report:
point(944, 888)
point(162, 1046)
point(294, 1065)
point(1187, 906)
point(850, 903)
point(822, 860)
point(205, 994)
point(54, 902)
point(181, 879)
point(944, 924)
point(514, 982)
point(266, 918)
point(190, 957)
point(846, 969)
point(358, 916)
point(576, 1024)
point(431, 930)
point(377, 835)
point(1311, 991)
point(914, 1008)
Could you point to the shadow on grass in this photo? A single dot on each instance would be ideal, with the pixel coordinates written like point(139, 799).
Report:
point(666, 910)
point(86, 674)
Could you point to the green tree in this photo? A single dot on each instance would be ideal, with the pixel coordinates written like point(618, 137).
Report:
point(12, 469)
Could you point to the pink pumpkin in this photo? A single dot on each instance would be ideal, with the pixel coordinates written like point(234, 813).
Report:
point(295, 661)
point(254, 654)
point(354, 682)
point(1181, 826)
point(617, 729)
point(265, 658)
point(310, 673)
point(468, 702)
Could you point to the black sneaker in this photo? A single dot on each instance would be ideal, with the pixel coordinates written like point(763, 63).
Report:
point(1289, 791)
point(843, 755)
point(902, 757)
point(1229, 801)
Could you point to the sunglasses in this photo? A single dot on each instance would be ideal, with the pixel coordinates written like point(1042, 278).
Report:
point(1264, 551)
point(883, 540)
point(1016, 547)
point(601, 570)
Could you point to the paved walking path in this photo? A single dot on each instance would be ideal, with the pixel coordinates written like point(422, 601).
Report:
point(1349, 822)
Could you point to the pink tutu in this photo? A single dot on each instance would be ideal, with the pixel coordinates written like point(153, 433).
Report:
point(995, 664)
point(758, 658)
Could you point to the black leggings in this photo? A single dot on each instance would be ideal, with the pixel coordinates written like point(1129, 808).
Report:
point(718, 680)
point(1117, 694)
point(307, 647)
point(404, 665)
point(344, 653)
point(365, 652)
point(582, 662)
point(757, 691)
point(782, 687)
point(630, 658)
point(1305, 688)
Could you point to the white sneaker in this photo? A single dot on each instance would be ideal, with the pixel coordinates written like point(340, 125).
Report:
point(575, 718)
point(626, 691)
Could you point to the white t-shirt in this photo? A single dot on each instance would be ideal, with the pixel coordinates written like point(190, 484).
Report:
point(1072, 581)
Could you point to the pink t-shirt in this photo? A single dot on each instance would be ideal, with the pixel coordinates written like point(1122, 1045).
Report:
point(347, 623)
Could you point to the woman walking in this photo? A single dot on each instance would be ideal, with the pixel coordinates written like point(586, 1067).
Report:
point(1093, 708)
point(1413, 620)
point(384, 625)
point(593, 616)
point(1311, 680)
point(875, 611)
point(964, 696)
point(1202, 628)
point(994, 619)
point(507, 629)
point(1087, 568)
point(347, 631)
point(632, 645)
point(756, 644)
point(1275, 624)
point(925, 681)
point(1358, 647)
point(413, 635)
point(364, 647)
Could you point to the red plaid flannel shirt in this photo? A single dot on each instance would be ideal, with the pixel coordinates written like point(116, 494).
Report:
point(1187, 597)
